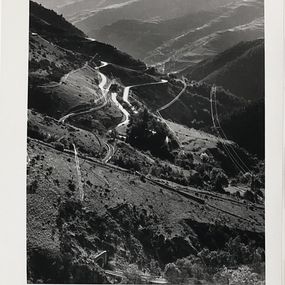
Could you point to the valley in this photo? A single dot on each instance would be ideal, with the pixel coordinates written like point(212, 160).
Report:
point(128, 179)
point(175, 44)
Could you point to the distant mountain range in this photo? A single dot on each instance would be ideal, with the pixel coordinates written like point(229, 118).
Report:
point(183, 41)
point(92, 14)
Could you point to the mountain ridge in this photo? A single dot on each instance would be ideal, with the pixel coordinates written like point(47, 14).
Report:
point(233, 68)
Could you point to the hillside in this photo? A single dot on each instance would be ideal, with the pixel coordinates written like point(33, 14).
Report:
point(65, 35)
point(247, 126)
point(40, 15)
point(126, 180)
point(233, 68)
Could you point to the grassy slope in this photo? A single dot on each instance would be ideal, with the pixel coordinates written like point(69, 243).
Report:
point(48, 130)
point(106, 188)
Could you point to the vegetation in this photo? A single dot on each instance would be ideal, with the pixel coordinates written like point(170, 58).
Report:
point(245, 260)
point(246, 127)
point(146, 132)
point(227, 70)
point(59, 24)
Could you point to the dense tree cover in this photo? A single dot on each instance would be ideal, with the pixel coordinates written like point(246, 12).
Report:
point(247, 127)
point(146, 132)
point(244, 261)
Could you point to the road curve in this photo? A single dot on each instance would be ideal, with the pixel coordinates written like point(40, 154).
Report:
point(176, 98)
point(126, 94)
point(103, 98)
point(110, 153)
point(103, 91)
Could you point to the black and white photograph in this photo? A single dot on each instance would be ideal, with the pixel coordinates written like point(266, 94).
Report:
point(145, 157)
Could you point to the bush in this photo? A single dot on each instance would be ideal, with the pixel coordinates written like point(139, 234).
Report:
point(219, 179)
point(133, 275)
point(242, 275)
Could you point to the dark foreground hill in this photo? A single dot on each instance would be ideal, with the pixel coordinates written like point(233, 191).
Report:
point(239, 69)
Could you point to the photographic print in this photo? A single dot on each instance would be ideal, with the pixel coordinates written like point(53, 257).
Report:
point(146, 142)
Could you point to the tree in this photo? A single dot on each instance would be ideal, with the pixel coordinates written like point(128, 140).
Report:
point(147, 132)
point(221, 181)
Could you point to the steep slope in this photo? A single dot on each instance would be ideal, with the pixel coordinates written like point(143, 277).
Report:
point(132, 220)
point(40, 15)
point(239, 69)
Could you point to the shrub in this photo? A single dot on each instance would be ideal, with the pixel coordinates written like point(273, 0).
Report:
point(242, 275)
point(132, 275)
point(221, 181)
point(146, 132)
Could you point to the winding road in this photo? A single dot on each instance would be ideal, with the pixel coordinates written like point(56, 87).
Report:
point(126, 94)
point(104, 101)
point(110, 153)
point(104, 93)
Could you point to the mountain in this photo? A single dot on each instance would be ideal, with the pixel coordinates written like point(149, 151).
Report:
point(140, 38)
point(118, 190)
point(186, 40)
point(41, 17)
point(239, 69)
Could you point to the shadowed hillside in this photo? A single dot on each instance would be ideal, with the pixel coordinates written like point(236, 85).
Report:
point(239, 69)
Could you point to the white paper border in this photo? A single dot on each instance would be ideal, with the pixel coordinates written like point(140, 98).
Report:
point(13, 110)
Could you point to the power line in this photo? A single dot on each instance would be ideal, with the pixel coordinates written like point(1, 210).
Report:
point(223, 133)
point(232, 158)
